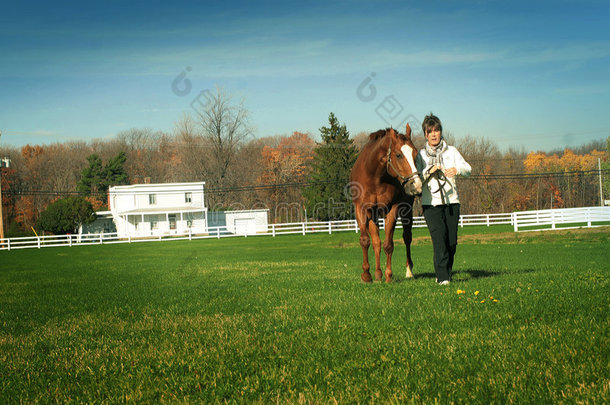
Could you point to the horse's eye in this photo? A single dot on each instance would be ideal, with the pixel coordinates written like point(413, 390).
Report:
point(398, 155)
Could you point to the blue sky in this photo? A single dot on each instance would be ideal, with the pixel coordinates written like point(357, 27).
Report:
point(523, 74)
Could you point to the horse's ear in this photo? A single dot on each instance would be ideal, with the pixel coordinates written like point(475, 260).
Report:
point(408, 131)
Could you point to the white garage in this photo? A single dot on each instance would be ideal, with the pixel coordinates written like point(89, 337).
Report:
point(247, 222)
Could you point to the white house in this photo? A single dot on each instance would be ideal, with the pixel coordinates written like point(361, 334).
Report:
point(144, 210)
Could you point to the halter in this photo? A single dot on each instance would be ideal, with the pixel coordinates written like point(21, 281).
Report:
point(403, 180)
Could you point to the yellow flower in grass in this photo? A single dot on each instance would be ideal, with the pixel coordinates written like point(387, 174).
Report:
point(482, 301)
point(461, 291)
point(476, 293)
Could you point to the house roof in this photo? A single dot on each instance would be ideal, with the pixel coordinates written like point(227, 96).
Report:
point(157, 188)
point(164, 210)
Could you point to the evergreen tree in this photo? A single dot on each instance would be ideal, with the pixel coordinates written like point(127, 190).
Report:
point(66, 215)
point(96, 178)
point(114, 172)
point(92, 177)
point(326, 197)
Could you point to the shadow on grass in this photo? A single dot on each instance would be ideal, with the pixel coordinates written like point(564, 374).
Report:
point(460, 275)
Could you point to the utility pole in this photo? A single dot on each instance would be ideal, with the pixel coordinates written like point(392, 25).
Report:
point(1, 208)
point(601, 193)
point(4, 162)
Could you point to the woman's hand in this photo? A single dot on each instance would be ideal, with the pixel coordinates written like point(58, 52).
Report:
point(452, 171)
point(434, 169)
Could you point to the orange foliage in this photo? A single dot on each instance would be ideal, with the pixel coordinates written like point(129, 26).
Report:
point(29, 152)
point(558, 201)
point(288, 161)
point(569, 162)
point(97, 204)
point(25, 211)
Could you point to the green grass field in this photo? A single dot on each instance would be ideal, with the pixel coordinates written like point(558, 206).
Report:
point(287, 319)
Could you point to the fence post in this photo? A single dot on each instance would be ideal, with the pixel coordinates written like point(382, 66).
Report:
point(588, 216)
point(9, 243)
point(38, 238)
point(303, 223)
point(273, 230)
point(487, 220)
point(330, 228)
point(355, 226)
point(514, 217)
point(552, 219)
point(218, 232)
point(70, 240)
point(101, 238)
point(190, 234)
point(461, 221)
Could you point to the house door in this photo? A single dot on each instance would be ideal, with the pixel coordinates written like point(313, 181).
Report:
point(172, 221)
point(245, 226)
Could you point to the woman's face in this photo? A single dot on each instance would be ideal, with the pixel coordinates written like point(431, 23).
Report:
point(434, 137)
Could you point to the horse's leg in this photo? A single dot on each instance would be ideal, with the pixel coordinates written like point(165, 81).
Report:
point(374, 231)
point(407, 236)
point(388, 244)
point(365, 242)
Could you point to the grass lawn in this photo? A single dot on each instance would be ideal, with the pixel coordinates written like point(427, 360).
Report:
point(287, 319)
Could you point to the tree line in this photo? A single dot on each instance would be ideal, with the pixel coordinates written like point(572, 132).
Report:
point(294, 176)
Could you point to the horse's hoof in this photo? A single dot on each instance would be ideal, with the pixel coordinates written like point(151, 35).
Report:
point(366, 278)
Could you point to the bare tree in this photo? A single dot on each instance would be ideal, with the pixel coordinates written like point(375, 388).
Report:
point(191, 150)
point(225, 126)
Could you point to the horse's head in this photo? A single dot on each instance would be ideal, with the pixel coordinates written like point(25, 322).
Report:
point(401, 161)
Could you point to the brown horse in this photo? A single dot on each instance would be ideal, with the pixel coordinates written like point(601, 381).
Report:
point(384, 183)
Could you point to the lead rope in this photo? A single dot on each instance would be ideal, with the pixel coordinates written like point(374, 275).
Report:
point(437, 175)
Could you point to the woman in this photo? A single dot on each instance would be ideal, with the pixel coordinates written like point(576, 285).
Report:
point(438, 164)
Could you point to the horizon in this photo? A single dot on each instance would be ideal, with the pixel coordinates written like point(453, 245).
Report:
point(522, 75)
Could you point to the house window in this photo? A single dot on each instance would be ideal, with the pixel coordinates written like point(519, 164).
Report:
point(154, 224)
point(188, 197)
point(152, 199)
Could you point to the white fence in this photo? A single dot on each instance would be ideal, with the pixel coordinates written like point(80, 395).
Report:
point(517, 219)
point(558, 217)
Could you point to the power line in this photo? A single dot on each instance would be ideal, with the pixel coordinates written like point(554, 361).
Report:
point(279, 186)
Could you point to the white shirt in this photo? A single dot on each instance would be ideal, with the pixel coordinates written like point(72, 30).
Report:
point(431, 192)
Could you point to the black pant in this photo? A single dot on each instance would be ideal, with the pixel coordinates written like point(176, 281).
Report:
point(442, 221)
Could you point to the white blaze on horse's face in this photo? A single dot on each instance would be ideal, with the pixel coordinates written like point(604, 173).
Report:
point(412, 187)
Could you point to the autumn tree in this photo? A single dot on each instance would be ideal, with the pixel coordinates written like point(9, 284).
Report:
point(325, 197)
point(33, 174)
point(288, 162)
point(605, 166)
point(570, 179)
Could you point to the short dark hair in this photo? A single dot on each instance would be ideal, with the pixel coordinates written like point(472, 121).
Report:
point(431, 122)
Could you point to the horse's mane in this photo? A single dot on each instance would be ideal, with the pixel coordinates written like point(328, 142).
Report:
point(381, 133)
point(377, 135)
